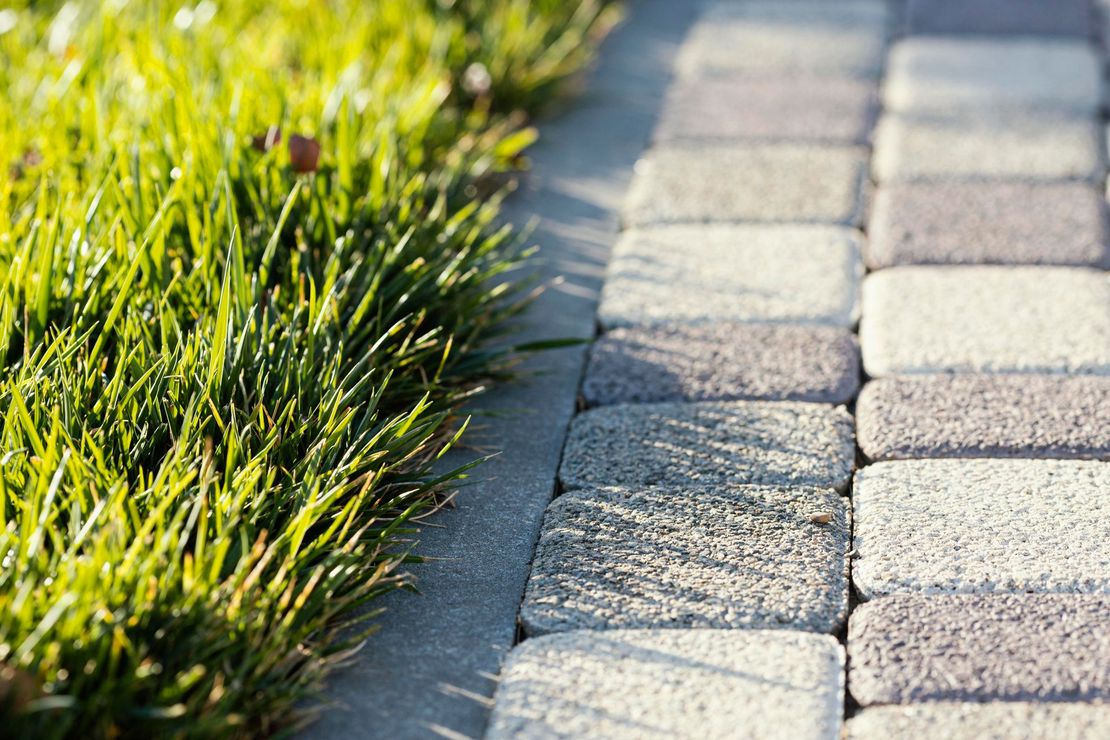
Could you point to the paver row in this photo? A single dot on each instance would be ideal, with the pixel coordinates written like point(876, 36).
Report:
point(742, 272)
point(999, 416)
point(973, 721)
point(690, 556)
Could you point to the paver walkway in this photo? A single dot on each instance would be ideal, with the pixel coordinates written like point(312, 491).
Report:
point(717, 519)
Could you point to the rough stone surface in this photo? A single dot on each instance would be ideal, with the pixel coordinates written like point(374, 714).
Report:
point(986, 319)
point(936, 74)
point(725, 557)
point(982, 526)
point(988, 223)
point(981, 648)
point(672, 684)
point(801, 109)
point(969, 721)
point(1001, 416)
point(843, 39)
point(762, 182)
point(984, 146)
point(710, 443)
point(744, 273)
point(1006, 17)
point(722, 362)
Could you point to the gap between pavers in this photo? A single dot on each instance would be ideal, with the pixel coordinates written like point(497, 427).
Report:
point(981, 526)
point(999, 416)
point(672, 684)
point(1068, 18)
point(710, 443)
point(927, 320)
point(723, 361)
point(969, 721)
point(742, 272)
point(980, 648)
point(733, 557)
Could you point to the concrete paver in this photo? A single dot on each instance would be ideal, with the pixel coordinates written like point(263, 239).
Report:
point(1060, 223)
point(936, 74)
point(981, 526)
point(980, 648)
point(672, 684)
point(682, 556)
point(743, 181)
point(1001, 416)
point(709, 443)
point(800, 109)
point(1006, 17)
point(744, 273)
point(1035, 147)
point(723, 361)
point(970, 721)
point(986, 320)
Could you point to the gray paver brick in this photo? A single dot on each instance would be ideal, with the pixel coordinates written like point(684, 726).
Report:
point(988, 223)
point(710, 443)
point(798, 109)
point(1033, 17)
point(936, 74)
point(986, 319)
point(970, 721)
point(982, 526)
point(980, 648)
point(1001, 416)
point(743, 181)
point(784, 39)
point(672, 684)
point(737, 272)
point(723, 361)
point(728, 557)
point(986, 146)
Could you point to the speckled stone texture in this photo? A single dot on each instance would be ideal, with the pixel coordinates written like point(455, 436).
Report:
point(799, 109)
point(936, 74)
point(988, 223)
point(740, 273)
point(724, 557)
point(983, 146)
point(672, 684)
point(1004, 17)
point(986, 319)
point(982, 526)
point(843, 39)
point(982, 648)
point(723, 362)
point(710, 443)
point(707, 182)
point(969, 721)
point(1002, 416)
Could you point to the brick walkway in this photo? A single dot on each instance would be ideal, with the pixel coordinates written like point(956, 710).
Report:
point(724, 560)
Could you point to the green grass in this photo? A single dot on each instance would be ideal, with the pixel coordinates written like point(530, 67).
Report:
point(222, 381)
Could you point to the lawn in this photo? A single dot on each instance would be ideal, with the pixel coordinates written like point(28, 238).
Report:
point(250, 267)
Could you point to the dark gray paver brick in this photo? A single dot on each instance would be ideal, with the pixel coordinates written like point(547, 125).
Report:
point(754, 182)
point(801, 109)
point(696, 273)
point(988, 223)
point(928, 320)
point(987, 145)
point(709, 443)
point(935, 74)
point(1007, 17)
point(982, 526)
point(672, 684)
point(1002, 416)
point(969, 721)
point(725, 557)
point(980, 648)
point(723, 361)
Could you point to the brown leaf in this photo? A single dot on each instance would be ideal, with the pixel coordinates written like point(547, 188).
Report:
point(304, 153)
point(267, 141)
